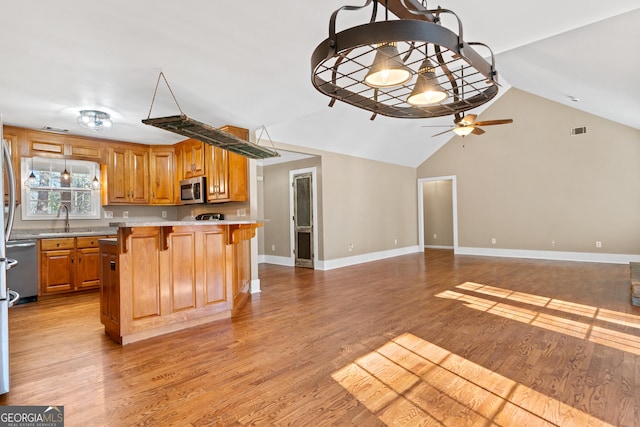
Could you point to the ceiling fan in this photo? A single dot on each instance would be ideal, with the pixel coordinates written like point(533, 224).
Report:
point(467, 124)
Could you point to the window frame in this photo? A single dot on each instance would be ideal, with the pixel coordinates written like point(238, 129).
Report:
point(55, 166)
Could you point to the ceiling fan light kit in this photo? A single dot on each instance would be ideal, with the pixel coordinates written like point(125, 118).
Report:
point(384, 66)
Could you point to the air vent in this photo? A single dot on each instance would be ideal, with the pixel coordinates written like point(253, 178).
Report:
point(579, 131)
point(56, 130)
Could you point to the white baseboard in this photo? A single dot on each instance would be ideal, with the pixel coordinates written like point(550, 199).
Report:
point(359, 259)
point(437, 247)
point(277, 260)
point(551, 255)
point(255, 286)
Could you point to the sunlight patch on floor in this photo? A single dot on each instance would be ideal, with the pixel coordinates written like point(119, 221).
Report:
point(410, 381)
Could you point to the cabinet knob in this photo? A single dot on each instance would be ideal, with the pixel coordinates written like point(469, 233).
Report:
point(58, 244)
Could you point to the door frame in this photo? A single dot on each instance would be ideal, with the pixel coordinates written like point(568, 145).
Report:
point(421, 202)
point(314, 224)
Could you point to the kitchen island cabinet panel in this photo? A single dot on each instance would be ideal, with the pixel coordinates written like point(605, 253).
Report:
point(214, 270)
point(144, 276)
point(176, 274)
point(183, 259)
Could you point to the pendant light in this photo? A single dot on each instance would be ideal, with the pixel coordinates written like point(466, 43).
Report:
point(455, 78)
point(66, 176)
point(95, 183)
point(427, 90)
point(31, 180)
point(387, 69)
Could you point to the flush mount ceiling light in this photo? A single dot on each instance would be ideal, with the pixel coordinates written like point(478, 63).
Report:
point(385, 67)
point(95, 120)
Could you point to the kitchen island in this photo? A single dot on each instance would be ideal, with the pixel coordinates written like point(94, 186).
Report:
point(159, 277)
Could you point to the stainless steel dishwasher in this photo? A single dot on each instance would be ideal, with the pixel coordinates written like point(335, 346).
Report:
point(23, 277)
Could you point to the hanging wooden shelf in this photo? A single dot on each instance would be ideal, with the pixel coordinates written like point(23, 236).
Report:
point(191, 128)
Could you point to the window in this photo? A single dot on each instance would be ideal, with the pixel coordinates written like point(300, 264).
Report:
point(44, 195)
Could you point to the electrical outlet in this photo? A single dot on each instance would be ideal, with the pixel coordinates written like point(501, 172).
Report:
point(125, 214)
point(435, 236)
point(493, 241)
point(350, 247)
point(108, 214)
point(395, 241)
point(273, 248)
point(598, 244)
point(553, 243)
point(164, 214)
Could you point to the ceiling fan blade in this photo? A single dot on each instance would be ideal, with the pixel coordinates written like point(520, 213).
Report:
point(477, 131)
point(441, 133)
point(494, 122)
point(467, 120)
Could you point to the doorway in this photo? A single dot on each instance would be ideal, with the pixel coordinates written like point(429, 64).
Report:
point(424, 201)
point(303, 215)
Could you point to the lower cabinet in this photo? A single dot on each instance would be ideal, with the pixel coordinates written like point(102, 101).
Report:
point(69, 264)
point(110, 288)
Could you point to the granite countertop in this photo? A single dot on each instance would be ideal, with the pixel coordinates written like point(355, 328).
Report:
point(160, 223)
point(35, 233)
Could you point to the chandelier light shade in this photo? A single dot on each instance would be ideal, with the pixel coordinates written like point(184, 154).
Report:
point(449, 79)
point(95, 120)
point(427, 90)
point(387, 69)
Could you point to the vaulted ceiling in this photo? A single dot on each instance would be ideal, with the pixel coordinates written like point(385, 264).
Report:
point(248, 64)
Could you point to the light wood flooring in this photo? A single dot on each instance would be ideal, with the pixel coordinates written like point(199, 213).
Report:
point(421, 339)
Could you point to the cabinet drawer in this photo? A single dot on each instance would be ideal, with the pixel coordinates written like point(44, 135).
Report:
point(53, 244)
point(88, 241)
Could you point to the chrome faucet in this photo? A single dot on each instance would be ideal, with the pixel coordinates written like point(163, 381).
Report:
point(66, 216)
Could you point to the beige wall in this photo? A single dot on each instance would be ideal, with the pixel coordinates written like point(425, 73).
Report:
point(438, 213)
point(533, 186)
point(363, 203)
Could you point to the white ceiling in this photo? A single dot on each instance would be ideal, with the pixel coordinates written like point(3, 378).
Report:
point(248, 64)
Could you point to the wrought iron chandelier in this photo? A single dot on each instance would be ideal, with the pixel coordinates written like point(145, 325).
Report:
point(411, 67)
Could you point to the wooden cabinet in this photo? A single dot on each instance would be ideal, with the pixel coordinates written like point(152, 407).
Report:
point(11, 138)
point(227, 172)
point(192, 156)
point(69, 264)
point(172, 277)
point(162, 178)
point(57, 265)
point(110, 289)
point(128, 175)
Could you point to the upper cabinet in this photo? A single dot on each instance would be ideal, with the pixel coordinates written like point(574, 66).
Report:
point(227, 171)
point(162, 178)
point(128, 175)
point(11, 138)
point(192, 156)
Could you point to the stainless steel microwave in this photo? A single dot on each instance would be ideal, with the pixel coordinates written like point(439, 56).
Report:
point(193, 190)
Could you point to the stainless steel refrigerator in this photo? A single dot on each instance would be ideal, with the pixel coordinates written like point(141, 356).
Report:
point(7, 296)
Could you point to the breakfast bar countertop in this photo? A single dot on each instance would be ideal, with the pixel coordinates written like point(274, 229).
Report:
point(160, 223)
point(36, 233)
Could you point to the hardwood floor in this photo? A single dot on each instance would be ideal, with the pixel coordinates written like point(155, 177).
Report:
point(422, 339)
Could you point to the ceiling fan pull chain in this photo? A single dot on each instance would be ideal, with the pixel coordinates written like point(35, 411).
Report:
point(156, 91)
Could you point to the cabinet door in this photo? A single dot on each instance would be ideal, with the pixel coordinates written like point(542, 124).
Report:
point(87, 268)
point(110, 291)
point(56, 273)
point(238, 178)
point(12, 143)
point(217, 174)
point(118, 175)
point(193, 158)
point(162, 181)
point(139, 176)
